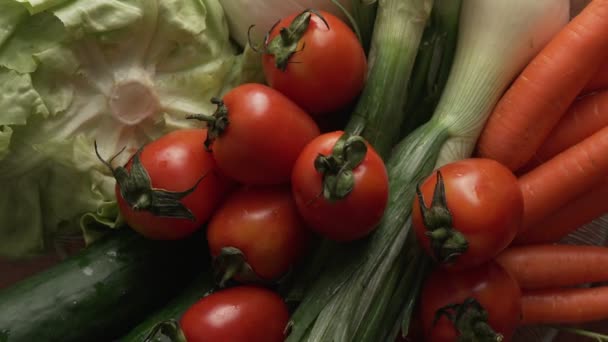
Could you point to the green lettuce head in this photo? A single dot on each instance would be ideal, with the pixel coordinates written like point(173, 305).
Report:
point(121, 72)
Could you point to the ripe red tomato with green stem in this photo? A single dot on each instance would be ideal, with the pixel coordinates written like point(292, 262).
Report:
point(316, 60)
point(242, 313)
point(467, 212)
point(257, 234)
point(170, 187)
point(256, 134)
point(478, 304)
point(340, 185)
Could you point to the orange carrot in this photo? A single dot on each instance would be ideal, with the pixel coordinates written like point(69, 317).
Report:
point(540, 95)
point(564, 306)
point(598, 81)
point(586, 116)
point(568, 218)
point(563, 178)
point(544, 266)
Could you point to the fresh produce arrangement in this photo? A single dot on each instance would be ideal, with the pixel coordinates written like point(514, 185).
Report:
point(329, 171)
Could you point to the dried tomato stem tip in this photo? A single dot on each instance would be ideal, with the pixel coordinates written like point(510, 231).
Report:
point(169, 328)
point(216, 123)
point(231, 263)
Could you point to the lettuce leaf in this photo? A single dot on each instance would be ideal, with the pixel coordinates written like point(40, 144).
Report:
point(117, 72)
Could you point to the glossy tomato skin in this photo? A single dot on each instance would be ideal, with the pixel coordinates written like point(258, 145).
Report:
point(486, 204)
point(496, 291)
point(243, 313)
point(175, 162)
point(264, 224)
point(264, 137)
point(327, 72)
point(347, 219)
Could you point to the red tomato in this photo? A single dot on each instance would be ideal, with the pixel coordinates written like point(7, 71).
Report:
point(264, 136)
point(176, 162)
point(345, 219)
point(328, 70)
point(242, 313)
point(264, 224)
point(486, 206)
point(489, 284)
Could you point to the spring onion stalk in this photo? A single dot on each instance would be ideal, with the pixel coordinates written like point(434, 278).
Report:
point(531, 25)
point(495, 41)
point(398, 30)
point(433, 63)
point(364, 14)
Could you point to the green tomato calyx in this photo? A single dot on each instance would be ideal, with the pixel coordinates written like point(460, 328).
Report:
point(231, 263)
point(446, 242)
point(287, 42)
point(470, 319)
point(136, 189)
point(337, 168)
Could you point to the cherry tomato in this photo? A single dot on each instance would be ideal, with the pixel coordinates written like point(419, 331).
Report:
point(326, 68)
point(176, 162)
point(243, 313)
point(348, 218)
point(489, 285)
point(264, 135)
point(264, 225)
point(485, 204)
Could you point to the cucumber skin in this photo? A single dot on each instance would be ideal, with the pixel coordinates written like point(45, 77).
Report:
point(174, 309)
point(101, 292)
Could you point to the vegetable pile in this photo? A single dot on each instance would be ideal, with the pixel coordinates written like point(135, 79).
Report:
point(120, 73)
point(364, 171)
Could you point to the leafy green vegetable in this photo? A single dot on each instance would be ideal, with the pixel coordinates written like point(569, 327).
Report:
point(119, 72)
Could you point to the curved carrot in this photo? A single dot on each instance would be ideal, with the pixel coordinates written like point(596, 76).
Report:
point(544, 266)
point(586, 116)
point(598, 81)
point(568, 218)
point(564, 306)
point(535, 102)
point(563, 178)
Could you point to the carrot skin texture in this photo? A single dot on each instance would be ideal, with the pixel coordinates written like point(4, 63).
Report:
point(598, 81)
point(568, 218)
point(564, 306)
point(548, 265)
point(586, 116)
point(563, 178)
point(535, 102)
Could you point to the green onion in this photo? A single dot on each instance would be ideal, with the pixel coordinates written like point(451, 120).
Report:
point(398, 30)
point(433, 63)
point(364, 14)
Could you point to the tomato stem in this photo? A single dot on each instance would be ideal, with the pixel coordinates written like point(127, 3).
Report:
point(230, 263)
point(446, 242)
point(337, 168)
point(285, 44)
point(169, 328)
point(136, 189)
point(216, 123)
point(470, 320)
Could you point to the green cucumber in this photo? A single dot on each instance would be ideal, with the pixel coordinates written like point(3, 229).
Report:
point(101, 292)
point(174, 309)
